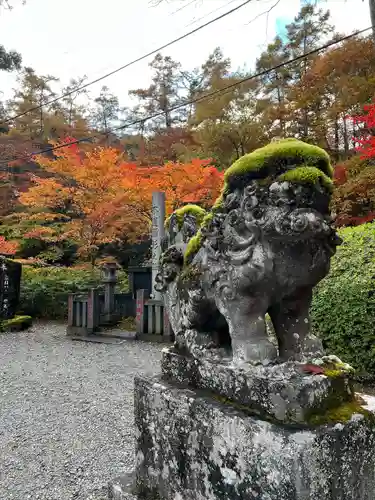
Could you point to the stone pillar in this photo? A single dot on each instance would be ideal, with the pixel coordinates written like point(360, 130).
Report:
point(70, 309)
point(158, 216)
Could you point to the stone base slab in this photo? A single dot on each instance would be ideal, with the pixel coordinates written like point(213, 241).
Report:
point(190, 447)
point(281, 392)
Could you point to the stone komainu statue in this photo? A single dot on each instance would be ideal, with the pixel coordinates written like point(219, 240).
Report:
point(265, 244)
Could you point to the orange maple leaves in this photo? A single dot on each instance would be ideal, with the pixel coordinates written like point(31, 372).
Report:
point(194, 182)
point(107, 198)
point(8, 247)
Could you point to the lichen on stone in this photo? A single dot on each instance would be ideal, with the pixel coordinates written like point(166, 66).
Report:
point(190, 272)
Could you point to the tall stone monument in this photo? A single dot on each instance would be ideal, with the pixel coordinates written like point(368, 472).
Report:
point(237, 413)
point(158, 216)
point(10, 282)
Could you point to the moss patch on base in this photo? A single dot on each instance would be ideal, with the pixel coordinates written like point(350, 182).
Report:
point(342, 414)
point(332, 366)
point(16, 324)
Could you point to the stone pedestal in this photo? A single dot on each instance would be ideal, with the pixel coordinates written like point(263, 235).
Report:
point(280, 392)
point(209, 430)
point(190, 446)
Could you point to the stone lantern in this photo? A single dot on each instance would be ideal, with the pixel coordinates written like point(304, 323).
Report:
point(109, 272)
point(109, 279)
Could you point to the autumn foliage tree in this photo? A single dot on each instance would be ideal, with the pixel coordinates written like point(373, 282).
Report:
point(354, 196)
point(195, 182)
point(88, 190)
point(105, 198)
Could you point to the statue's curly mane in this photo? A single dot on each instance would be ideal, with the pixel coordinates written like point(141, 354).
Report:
point(266, 192)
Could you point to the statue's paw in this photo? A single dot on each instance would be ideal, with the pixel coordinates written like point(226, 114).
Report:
point(312, 347)
point(259, 353)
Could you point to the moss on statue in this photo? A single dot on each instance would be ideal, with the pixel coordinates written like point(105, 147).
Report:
point(193, 246)
point(195, 210)
point(196, 241)
point(207, 219)
point(277, 157)
point(307, 175)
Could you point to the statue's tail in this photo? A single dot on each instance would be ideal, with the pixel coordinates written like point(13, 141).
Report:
point(182, 225)
point(180, 228)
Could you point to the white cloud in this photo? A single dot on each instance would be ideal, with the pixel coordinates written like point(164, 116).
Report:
point(75, 37)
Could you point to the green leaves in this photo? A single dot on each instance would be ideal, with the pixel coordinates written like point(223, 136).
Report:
point(343, 308)
point(45, 290)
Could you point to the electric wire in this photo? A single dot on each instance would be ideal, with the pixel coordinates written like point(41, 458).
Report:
point(223, 90)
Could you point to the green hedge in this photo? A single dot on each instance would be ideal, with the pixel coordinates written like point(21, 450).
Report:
point(45, 290)
point(343, 308)
point(16, 324)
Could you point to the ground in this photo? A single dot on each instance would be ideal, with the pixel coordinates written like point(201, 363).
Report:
point(66, 413)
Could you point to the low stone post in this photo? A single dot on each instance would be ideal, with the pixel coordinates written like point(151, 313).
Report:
point(142, 296)
point(70, 310)
point(92, 305)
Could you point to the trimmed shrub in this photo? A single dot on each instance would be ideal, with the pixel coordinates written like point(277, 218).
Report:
point(45, 290)
point(343, 308)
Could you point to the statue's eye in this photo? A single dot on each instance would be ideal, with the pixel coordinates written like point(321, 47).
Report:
point(251, 202)
point(258, 213)
point(233, 217)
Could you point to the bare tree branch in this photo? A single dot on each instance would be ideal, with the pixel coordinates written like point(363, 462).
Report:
point(267, 12)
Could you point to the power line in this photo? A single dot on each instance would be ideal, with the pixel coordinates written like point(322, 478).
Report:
point(145, 56)
point(223, 90)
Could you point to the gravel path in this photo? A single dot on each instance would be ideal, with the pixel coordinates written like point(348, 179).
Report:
point(66, 413)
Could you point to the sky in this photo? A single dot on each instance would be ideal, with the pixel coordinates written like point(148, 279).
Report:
point(84, 37)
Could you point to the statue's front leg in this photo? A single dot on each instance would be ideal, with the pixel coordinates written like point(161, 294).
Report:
point(291, 322)
point(246, 320)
